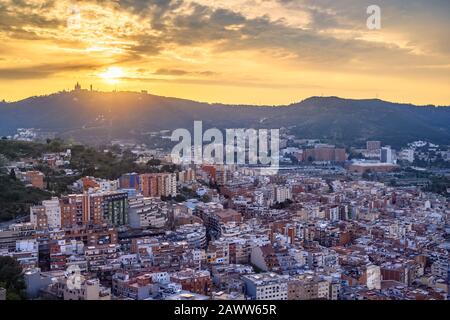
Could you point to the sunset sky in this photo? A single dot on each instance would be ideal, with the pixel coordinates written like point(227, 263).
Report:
point(231, 51)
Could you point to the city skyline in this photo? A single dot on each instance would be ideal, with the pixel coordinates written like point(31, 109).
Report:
point(244, 152)
point(252, 52)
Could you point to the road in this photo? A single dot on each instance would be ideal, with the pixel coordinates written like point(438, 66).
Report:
point(6, 224)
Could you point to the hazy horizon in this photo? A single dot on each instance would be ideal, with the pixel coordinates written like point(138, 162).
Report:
point(300, 100)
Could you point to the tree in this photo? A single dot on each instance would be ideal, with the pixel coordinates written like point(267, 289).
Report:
point(166, 198)
point(180, 198)
point(12, 174)
point(11, 278)
point(367, 174)
point(205, 198)
point(170, 168)
point(3, 162)
point(154, 162)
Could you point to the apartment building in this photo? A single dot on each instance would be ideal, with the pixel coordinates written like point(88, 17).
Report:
point(196, 281)
point(266, 286)
point(158, 184)
point(147, 212)
point(34, 178)
point(47, 215)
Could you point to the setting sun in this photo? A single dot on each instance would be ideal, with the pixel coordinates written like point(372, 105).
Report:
point(112, 75)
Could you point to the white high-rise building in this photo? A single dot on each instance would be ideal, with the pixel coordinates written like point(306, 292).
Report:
point(406, 155)
point(282, 194)
point(386, 154)
point(53, 212)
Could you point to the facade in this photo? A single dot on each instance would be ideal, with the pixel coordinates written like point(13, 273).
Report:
point(158, 184)
point(147, 212)
point(406, 155)
point(373, 145)
point(129, 181)
point(135, 288)
point(194, 281)
point(115, 208)
point(282, 194)
point(324, 154)
point(35, 281)
point(361, 167)
point(266, 286)
point(81, 209)
point(74, 210)
point(89, 290)
point(48, 215)
point(186, 176)
point(194, 234)
point(386, 155)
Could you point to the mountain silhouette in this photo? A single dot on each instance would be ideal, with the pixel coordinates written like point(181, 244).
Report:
point(92, 116)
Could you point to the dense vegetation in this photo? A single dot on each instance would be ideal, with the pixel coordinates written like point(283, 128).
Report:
point(14, 150)
point(16, 199)
point(439, 185)
point(91, 162)
point(11, 278)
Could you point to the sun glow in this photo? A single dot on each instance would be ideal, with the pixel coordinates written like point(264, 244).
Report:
point(112, 75)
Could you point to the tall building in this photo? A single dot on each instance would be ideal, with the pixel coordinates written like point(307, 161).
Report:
point(95, 208)
point(38, 218)
point(223, 175)
point(129, 181)
point(187, 175)
point(158, 184)
point(324, 153)
point(406, 155)
point(115, 208)
point(373, 145)
point(68, 213)
point(219, 174)
point(48, 215)
point(74, 210)
point(53, 212)
point(282, 194)
point(386, 154)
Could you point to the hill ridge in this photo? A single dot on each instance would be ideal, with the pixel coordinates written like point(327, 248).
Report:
point(86, 115)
